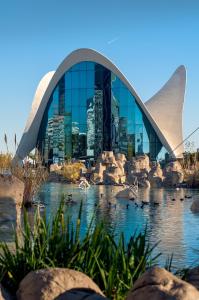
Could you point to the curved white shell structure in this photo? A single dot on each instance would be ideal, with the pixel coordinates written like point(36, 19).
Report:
point(164, 110)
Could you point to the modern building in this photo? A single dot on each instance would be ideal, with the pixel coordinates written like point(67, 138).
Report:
point(87, 106)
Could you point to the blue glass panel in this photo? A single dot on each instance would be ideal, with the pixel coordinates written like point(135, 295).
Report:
point(90, 65)
point(75, 97)
point(75, 79)
point(82, 79)
point(82, 97)
point(90, 79)
point(82, 114)
point(68, 80)
point(82, 66)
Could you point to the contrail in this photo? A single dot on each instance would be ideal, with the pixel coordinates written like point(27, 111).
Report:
point(113, 40)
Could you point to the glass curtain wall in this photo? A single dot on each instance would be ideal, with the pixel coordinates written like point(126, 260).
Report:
point(91, 110)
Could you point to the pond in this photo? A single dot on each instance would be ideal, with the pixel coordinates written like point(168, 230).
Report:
point(170, 222)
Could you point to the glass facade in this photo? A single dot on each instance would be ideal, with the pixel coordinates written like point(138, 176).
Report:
point(91, 110)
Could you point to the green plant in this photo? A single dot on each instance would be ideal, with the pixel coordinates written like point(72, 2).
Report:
point(114, 266)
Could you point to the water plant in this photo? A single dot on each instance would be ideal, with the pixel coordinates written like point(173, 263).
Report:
point(113, 265)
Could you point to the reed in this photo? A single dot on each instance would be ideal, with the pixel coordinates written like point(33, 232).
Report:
point(114, 264)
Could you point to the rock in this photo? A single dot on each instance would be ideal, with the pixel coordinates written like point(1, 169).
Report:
point(107, 158)
point(144, 183)
point(157, 284)
point(155, 175)
point(50, 284)
point(173, 174)
point(120, 157)
point(139, 164)
point(127, 193)
point(97, 175)
point(55, 167)
point(195, 206)
point(13, 188)
point(80, 294)
point(5, 295)
point(11, 199)
point(110, 178)
point(192, 277)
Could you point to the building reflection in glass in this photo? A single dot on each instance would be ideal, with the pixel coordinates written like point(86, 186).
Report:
point(91, 110)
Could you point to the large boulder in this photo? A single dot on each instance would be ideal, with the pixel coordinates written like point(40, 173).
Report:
point(159, 284)
point(107, 158)
point(11, 200)
point(98, 173)
point(155, 175)
point(173, 174)
point(11, 187)
point(50, 284)
point(195, 206)
point(140, 163)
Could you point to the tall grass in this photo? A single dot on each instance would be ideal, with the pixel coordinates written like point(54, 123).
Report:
point(114, 266)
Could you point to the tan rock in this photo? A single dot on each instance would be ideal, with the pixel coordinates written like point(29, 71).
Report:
point(50, 284)
point(120, 157)
point(159, 284)
point(139, 164)
point(155, 175)
point(173, 174)
point(106, 157)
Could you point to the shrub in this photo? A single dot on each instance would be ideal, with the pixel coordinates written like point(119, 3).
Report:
point(5, 161)
point(72, 171)
point(114, 266)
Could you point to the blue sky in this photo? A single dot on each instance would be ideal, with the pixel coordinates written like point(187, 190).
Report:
point(147, 40)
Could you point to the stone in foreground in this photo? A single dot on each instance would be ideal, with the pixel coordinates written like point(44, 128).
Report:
point(159, 284)
point(193, 277)
point(49, 284)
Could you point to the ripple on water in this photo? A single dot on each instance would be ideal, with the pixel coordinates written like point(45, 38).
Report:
point(170, 222)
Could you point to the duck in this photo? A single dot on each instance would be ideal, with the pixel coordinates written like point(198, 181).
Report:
point(188, 196)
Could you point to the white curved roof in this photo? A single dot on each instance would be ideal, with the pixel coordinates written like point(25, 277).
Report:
point(166, 108)
point(50, 80)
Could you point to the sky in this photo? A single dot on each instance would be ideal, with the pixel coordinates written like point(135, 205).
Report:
point(147, 40)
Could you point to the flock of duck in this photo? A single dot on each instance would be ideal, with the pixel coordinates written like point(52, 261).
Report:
point(68, 200)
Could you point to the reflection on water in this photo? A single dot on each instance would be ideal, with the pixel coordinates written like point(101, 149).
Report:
point(167, 216)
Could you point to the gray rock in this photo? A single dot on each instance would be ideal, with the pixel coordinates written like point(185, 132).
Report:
point(159, 284)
